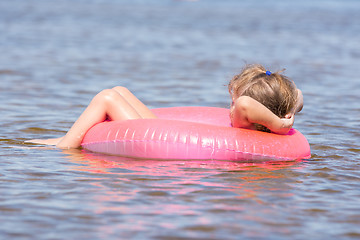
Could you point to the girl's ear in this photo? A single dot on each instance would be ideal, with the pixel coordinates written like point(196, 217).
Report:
point(289, 115)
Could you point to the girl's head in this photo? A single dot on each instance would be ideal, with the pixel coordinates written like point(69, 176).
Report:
point(274, 90)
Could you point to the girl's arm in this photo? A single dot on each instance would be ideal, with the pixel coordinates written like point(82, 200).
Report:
point(248, 111)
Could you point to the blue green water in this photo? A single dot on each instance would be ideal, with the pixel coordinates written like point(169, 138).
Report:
point(56, 55)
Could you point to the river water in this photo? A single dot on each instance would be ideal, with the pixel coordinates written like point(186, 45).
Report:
point(56, 55)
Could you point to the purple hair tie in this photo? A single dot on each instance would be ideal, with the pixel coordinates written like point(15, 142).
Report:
point(268, 73)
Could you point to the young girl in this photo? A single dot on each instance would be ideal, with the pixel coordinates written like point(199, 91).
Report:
point(261, 100)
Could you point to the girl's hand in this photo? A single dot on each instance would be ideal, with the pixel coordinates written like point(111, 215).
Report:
point(287, 122)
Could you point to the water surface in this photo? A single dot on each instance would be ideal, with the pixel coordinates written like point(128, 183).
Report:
point(55, 56)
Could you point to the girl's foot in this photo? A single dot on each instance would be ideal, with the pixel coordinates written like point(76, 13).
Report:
point(51, 141)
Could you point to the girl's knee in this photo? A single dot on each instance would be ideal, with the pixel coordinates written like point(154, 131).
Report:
point(121, 90)
point(108, 95)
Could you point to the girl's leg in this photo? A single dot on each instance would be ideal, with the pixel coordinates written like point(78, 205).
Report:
point(106, 104)
point(140, 108)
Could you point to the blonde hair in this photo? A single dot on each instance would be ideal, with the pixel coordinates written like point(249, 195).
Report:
point(274, 90)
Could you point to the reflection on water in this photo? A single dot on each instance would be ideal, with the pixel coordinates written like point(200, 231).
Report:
point(194, 190)
point(167, 177)
point(55, 56)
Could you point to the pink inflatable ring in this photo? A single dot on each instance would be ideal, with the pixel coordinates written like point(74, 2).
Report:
point(192, 133)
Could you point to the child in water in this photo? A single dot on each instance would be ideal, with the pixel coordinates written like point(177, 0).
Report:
point(261, 100)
